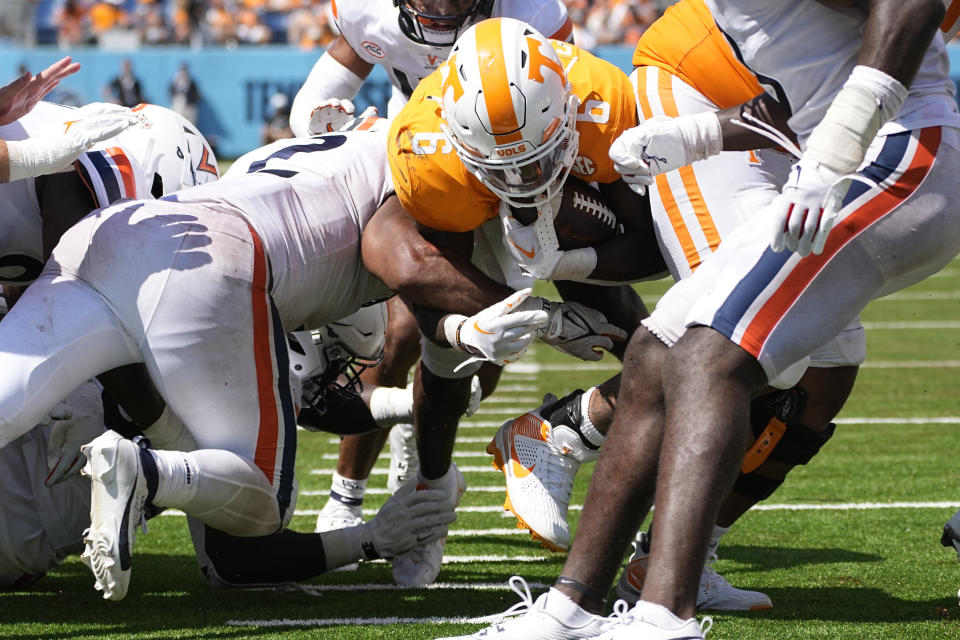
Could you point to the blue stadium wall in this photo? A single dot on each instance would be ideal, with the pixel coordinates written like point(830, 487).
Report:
point(236, 86)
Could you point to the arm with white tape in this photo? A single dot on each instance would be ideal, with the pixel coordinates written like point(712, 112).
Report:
point(323, 103)
point(54, 150)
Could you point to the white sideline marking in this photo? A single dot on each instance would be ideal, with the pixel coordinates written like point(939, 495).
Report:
point(914, 324)
point(853, 506)
point(456, 454)
point(384, 471)
point(878, 364)
point(330, 622)
point(937, 420)
point(386, 492)
point(497, 399)
point(800, 506)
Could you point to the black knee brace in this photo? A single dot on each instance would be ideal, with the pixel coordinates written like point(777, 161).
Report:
point(779, 437)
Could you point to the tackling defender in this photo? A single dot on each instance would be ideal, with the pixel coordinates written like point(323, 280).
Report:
point(244, 257)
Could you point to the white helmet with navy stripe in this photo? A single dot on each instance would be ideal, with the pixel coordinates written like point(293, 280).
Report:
point(509, 111)
point(328, 360)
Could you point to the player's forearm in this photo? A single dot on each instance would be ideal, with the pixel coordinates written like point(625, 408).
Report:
point(630, 257)
point(763, 108)
point(338, 73)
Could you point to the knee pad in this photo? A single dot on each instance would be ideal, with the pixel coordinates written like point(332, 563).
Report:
point(779, 437)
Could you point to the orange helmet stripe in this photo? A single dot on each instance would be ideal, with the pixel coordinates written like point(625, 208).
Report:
point(495, 84)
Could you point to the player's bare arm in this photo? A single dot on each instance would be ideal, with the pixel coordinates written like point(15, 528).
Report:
point(19, 97)
point(426, 274)
point(896, 34)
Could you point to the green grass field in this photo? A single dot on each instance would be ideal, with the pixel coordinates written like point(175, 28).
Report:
point(861, 559)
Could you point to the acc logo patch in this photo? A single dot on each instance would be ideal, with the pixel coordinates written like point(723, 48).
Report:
point(374, 49)
point(584, 166)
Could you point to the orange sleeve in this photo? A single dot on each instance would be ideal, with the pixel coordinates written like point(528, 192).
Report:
point(686, 42)
point(429, 179)
point(607, 109)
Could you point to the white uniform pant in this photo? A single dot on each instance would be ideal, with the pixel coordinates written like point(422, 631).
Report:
point(185, 289)
point(780, 307)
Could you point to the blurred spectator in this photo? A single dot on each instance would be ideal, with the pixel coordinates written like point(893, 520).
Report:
point(219, 24)
point(313, 26)
point(152, 25)
point(277, 127)
point(250, 30)
point(184, 94)
point(106, 16)
point(70, 20)
point(125, 88)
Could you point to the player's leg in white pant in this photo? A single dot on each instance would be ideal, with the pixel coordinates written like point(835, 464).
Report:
point(59, 334)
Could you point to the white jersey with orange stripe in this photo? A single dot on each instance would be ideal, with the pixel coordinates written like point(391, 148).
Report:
point(161, 154)
point(309, 199)
point(782, 41)
point(373, 31)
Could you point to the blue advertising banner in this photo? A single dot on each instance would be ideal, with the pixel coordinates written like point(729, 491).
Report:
point(235, 85)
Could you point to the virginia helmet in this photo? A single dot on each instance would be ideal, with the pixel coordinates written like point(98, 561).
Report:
point(509, 111)
point(329, 360)
point(439, 22)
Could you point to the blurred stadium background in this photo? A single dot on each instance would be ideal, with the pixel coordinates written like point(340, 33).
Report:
point(246, 57)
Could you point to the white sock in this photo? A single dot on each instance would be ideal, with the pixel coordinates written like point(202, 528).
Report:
point(587, 428)
point(347, 490)
point(177, 478)
point(566, 610)
point(715, 535)
point(435, 483)
point(659, 615)
point(391, 405)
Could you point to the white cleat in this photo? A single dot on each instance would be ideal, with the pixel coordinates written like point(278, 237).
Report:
point(714, 593)
point(336, 515)
point(118, 496)
point(651, 622)
point(404, 461)
point(421, 565)
point(539, 463)
point(538, 619)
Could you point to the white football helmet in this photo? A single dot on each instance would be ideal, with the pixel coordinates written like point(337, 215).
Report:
point(509, 111)
point(170, 149)
point(328, 361)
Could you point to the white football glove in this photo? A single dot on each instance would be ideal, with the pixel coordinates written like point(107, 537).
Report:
point(663, 144)
point(536, 249)
point(409, 519)
point(336, 115)
point(807, 207)
point(500, 333)
point(76, 422)
point(575, 329)
point(55, 150)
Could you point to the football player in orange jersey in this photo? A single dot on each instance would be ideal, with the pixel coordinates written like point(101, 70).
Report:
point(409, 39)
point(495, 132)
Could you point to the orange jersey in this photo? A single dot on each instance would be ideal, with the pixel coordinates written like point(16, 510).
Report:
point(686, 42)
point(439, 192)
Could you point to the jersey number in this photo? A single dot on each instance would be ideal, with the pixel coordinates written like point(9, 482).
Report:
point(323, 143)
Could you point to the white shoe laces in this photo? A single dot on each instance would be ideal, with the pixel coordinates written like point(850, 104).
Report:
point(520, 587)
point(622, 614)
point(710, 577)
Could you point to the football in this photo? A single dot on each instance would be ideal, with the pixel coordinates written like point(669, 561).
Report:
point(583, 219)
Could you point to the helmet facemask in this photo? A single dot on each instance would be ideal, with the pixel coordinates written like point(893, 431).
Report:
point(328, 370)
point(525, 180)
point(509, 111)
point(426, 21)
